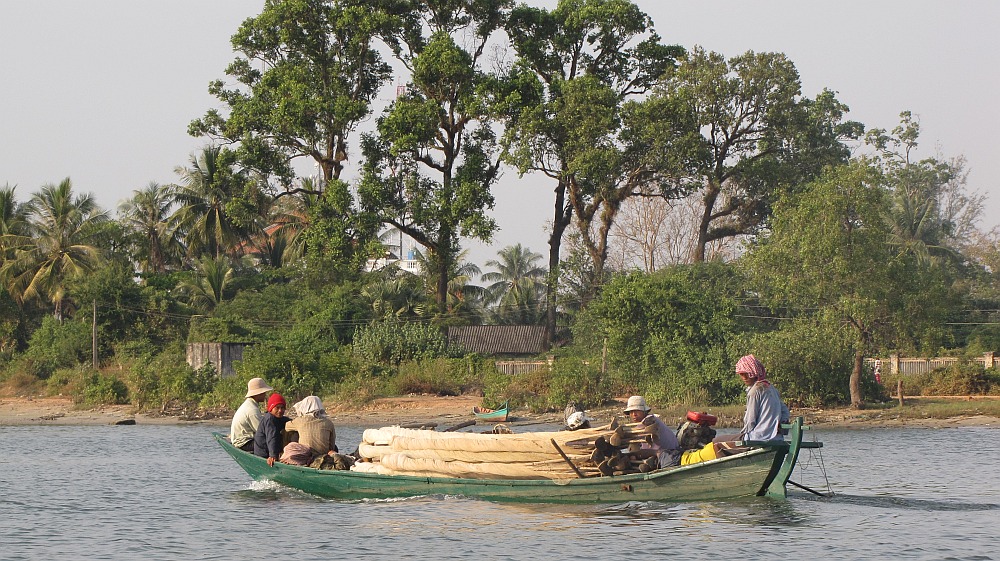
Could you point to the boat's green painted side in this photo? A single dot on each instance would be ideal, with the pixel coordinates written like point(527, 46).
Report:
point(756, 472)
point(492, 414)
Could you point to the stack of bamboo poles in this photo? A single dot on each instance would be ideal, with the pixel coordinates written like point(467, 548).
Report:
point(609, 450)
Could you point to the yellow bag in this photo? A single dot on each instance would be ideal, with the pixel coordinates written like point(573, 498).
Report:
point(703, 455)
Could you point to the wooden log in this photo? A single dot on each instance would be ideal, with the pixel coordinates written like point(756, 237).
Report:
point(419, 426)
point(468, 423)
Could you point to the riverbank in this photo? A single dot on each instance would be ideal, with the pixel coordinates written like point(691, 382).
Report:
point(445, 412)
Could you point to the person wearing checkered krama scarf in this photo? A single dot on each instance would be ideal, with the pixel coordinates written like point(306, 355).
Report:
point(765, 411)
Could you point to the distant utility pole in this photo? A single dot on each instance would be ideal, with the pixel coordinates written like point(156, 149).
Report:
point(93, 333)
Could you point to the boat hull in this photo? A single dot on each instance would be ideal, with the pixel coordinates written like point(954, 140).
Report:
point(748, 474)
point(496, 415)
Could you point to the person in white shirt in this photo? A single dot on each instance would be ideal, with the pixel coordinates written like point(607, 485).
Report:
point(248, 416)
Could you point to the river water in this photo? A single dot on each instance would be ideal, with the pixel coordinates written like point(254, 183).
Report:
point(153, 492)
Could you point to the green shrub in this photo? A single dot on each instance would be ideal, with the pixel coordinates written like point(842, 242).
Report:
point(528, 390)
point(666, 334)
point(68, 381)
point(156, 381)
point(392, 343)
point(577, 381)
point(963, 378)
point(808, 360)
point(55, 345)
point(433, 376)
point(360, 386)
point(294, 374)
point(100, 389)
point(226, 392)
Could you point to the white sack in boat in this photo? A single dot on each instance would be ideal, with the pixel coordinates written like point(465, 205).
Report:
point(402, 463)
point(508, 457)
point(523, 442)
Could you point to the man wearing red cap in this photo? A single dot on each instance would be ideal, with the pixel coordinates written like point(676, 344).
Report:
point(268, 442)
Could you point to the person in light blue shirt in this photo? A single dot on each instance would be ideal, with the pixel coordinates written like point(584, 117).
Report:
point(765, 410)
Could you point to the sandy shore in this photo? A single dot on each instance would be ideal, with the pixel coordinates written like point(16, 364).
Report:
point(442, 412)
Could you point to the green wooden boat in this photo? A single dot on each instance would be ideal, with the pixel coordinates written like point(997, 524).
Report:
point(763, 470)
point(498, 415)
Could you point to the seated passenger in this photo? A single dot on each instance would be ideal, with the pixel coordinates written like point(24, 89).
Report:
point(765, 410)
point(315, 428)
point(763, 418)
point(664, 441)
point(248, 416)
point(267, 442)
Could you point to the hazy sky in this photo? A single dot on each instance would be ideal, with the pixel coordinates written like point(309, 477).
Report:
point(102, 91)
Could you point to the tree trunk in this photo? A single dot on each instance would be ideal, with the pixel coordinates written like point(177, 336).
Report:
point(561, 217)
point(856, 398)
point(442, 287)
point(711, 194)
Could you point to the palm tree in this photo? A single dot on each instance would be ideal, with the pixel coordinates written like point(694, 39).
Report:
point(13, 215)
point(282, 241)
point(917, 225)
point(517, 286)
point(203, 216)
point(209, 286)
point(13, 220)
point(147, 214)
point(463, 297)
point(57, 245)
point(396, 297)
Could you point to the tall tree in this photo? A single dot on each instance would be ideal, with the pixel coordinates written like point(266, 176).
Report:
point(930, 215)
point(58, 244)
point(758, 134)
point(517, 286)
point(147, 216)
point(828, 253)
point(211, 281)
point(307, 75)
point(211, 199)
point(429, 170)
point(642, 148)
point(611, 41)
point(13, 215)
point(464, 298)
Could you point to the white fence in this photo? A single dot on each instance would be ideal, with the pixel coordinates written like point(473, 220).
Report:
point(512, 367)
point(913, 366)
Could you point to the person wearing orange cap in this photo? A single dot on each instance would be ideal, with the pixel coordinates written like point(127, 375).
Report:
point(248, 416)
point(268, 442)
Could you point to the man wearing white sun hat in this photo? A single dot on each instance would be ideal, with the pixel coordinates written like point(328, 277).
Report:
point(248, 416)
point(664, 441)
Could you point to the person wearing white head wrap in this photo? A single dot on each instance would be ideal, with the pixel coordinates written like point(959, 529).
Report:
point(311, 405)
point(315, 429)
